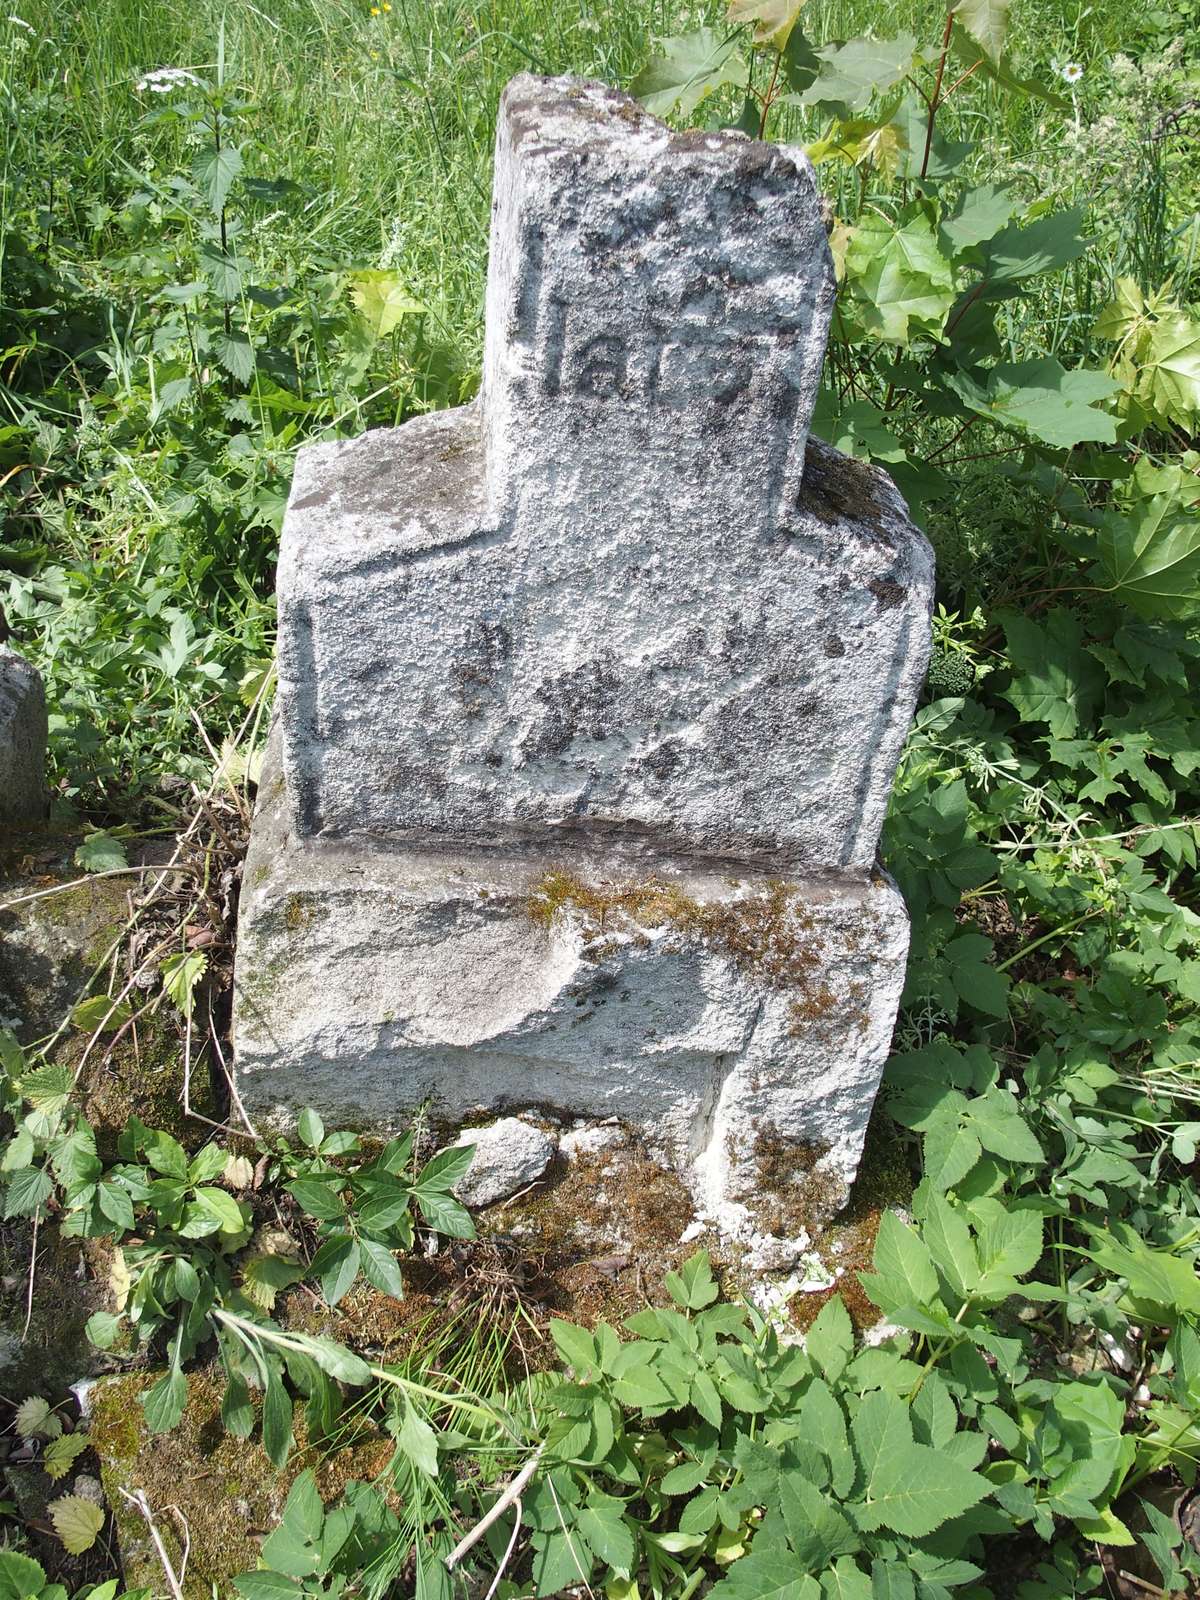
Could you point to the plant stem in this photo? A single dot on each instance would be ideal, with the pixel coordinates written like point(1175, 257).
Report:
point(935, 98)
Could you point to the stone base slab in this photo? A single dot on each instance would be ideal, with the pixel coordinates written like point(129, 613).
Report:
point(22, 740)
point(739, 1022)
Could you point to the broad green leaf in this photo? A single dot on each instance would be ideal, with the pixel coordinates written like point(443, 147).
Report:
point(266, 1586)
point(769, 1572)
point(418, 1441)
point(165, 1154)
point(214, 171)
point(852, 74)
point(235, 354)
point(900, 281)
point(164, 1401)
point(817, 1530)
point(948, 1238)
point(382, 300)
point(980, 214)
point(77, 1522)
point(603, 1525)
point(443, 1171)
point(998, 1124)
point(445, 1214)
point(987, 23)
point(310, 1128)
point(380, 1268)
point(1169, 371)
point(950, 1150)
point(830, 1340)
point(901, 1258)
point(276, 1418)
point(693, 1286)
point(915, 1489)
point(1150, 558)
point(773, 19)
point(98, 1011)
point(321, 1200)
point(223, 1207)
point(100, 852)
point(28, 1190)
point(20, 1577)
point(823, 1422)
point(881, 1428)
point(687, 69)
point(35, 1420)
point(60, 1454)
point(1001, 70)
point(102, 1329)
point(1026, 250)
point(1055, 680)
point(1041, 398)
point(336, 1264)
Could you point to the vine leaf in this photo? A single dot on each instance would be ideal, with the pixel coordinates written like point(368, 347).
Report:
point(987, 23)
point(689, 68)
point(773, 19)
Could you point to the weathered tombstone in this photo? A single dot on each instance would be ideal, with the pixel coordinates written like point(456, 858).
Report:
point(22, 740)
point(592, 692)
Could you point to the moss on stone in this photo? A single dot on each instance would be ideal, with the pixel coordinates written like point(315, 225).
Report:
point(765, 935)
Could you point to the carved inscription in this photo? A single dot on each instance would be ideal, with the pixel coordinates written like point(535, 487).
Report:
point(668, 366)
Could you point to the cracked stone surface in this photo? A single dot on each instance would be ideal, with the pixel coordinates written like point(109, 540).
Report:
point(509, 1156)
point(622, 592)
point(622, 626)
point(22, 740)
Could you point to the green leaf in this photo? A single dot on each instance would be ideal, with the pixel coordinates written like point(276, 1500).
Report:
point(276, 1419)
point(693, 1286)
point(336, 1263)
point(1169, 370)
point(980, 214)
point(98, 1011)
point(830, 1340)
point(987, 23)
point(100, 852)
point(444, 1214)
point(28, 1190)
point(1056, 681)
point(1041, 398)
point(773, 20)
point(900, 281)
point(852, 74)
point(320, 1200)
point(687, 69)
point(380, 1268)
point(881, 1429)
point(223, 1208)
point(1001, 70)
point(77, 1522)
point(817, 1530)
point(310, 1128)
point(822, 1421)
point(102, 1329)
point(383, 301)
point(443, 1171)
point(235, 354)
point(266, 1586)
point(948, 1238)
point(915, 1489)
point(163, 1403)
point(165, 1154)
point(1026, 250)
point(1150, 558)
point(902, 1259)
point(603, 1525)
point(20, 1577)
point(767, 1573)
point(214, 170)
point(576, 1348)
point(418, 1441)
point(60, 1454)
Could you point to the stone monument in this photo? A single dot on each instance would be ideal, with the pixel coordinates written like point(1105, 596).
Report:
point(22, 739)
point(591, 694)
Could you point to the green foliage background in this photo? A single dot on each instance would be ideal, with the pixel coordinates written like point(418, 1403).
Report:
point(288, 243)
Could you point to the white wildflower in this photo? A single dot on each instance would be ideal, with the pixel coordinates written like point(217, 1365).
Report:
point(163, 79)
point(1072, 72)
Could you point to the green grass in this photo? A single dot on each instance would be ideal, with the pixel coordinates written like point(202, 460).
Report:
point(386, 122)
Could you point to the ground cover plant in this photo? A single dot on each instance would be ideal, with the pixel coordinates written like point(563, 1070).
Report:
point(227, 231)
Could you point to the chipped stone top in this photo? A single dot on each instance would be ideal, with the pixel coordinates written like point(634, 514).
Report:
point(658, 307)
point(622, 597)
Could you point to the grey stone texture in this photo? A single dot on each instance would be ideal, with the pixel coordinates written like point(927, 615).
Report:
point(22, 740)
point(509, 1156)
point(592, 693)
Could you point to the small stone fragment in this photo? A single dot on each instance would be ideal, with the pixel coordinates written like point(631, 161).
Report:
point(509, 1155)
point(589, 1140)
point(22, 740)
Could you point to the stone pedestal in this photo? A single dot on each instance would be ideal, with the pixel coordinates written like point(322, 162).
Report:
point(22, 740)
point(592, 693)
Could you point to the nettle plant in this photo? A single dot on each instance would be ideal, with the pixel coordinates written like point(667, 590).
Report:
point(934, 270)
point(191, 1266)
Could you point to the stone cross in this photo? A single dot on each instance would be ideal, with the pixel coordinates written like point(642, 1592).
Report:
point(592, 692)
